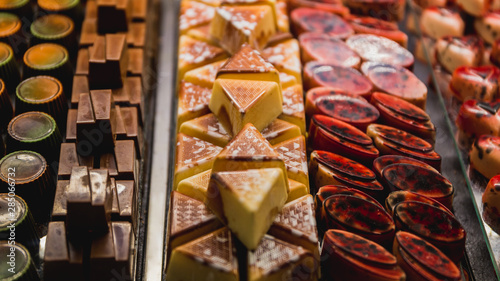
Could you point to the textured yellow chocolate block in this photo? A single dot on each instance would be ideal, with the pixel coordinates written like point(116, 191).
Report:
point(277, 260)
point(293, 107)
point(206, 128)
point(233, 26)
point(202, 33)
point(293, 152)
point(282, 13)
point(285, 56)
point(296, 224)
point(192, 156)
point(193, 102)
point(213, 3)
point(240, 102)
point(194, 14)
point(195, 186)
point(212, 256)
point(248, 64)
point(279, 131)
point(188, 219)
point(204, 76)
point(248, 150)
point(195, 53)
point(248, 201)
point(297, 190)
point(270, 3)
point(287, 80)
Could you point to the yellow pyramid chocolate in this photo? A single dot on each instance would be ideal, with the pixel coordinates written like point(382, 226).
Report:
point(192, 156)
point(248, 150)
point(297, 190)
point(193, 102)
point(248, 64)
point(195, 53)
point(277, 260)
point(212, 255)
point(285, 56)
point(204, 76)
point(293, 152)
point(287, 80)
point(270, 3)
point(213, 3)
point(293, 107)
point(195, 186)
point(296, 224)
point(233, 26)
point(248, 201)
point(240, 102)
point(279, 131)
point(282, 13)
point(194, 14)
point(206, 128)
point(188, 219)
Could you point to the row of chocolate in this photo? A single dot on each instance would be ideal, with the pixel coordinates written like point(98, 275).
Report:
point(373, 163)
point(339, 113)
point(466, 67)
point(93, 205)
point(240, 206)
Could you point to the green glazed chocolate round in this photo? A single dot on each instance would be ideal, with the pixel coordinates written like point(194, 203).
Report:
point(28, 171)
point(23, 267)
point(14, 211)
point(32, 127)
point(57, 5)
point(46, 56)
point(12, 4)
point(10, 24)
point(36, 131)
point(52, 27)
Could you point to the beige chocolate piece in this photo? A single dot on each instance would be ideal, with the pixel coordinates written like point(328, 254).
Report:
point(233, 26)
point(285, 56)
point(204, 76)
point(194, 14)
point(193, 156)
point(194, 53)
point(293, 107)
point(193, 102)
point(196, 186)
point(248, 201)
point(293, 153)
point(211, 255)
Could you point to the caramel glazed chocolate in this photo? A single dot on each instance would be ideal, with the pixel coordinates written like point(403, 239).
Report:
point(241, 206)
point(72, 125)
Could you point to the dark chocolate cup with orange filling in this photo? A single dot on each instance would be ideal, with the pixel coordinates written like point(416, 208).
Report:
point(22, 8)
point(419, 180)
point(70, 8)
point(330, 134)
point(392, 141)
point(326, 168)
point(396, 197)
point(6, 109)
point(360, 216)
point(317, 74)
point(398, 113)
point(49, 59)
point(11, 33)
point(436, 226)
point(9, 70)
point(315, 20)
point(326, 191)
point(42, 93)
point(421, 260)
point(383, 161)
point(54, 28)
point(353, 110)
point(348, 256)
